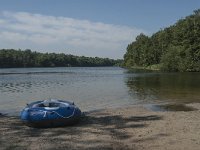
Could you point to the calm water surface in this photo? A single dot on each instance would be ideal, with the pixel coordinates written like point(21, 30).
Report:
point(95, 88)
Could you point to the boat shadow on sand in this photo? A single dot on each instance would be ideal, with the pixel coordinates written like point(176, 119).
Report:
point(94, 131)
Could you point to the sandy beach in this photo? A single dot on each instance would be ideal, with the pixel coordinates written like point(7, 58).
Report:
point(131, 128)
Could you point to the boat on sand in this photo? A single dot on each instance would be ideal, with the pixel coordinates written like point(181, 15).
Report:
point(50, 113)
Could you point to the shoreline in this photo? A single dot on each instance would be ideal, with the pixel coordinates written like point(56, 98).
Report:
point(133, 127)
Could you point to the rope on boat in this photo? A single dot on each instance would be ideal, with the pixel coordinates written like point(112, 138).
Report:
point(64, 116)
point(45, 114)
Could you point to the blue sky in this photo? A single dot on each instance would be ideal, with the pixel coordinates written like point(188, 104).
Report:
point(85, 27)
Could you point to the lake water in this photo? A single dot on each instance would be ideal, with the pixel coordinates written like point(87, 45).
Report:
point(94, 88)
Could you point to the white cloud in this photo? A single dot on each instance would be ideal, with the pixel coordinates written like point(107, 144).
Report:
point(62, 34)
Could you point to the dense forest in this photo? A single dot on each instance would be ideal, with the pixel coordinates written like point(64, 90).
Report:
point(27, 58)
point(175, 48)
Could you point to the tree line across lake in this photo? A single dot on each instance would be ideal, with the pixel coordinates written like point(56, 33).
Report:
point(27, 58)
point(175, 48)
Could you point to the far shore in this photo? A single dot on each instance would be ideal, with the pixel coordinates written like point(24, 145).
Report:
point(126, 128)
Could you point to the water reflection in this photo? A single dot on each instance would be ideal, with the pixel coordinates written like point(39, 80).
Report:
point(95, 88)
point(90, 88)
point(165, 87)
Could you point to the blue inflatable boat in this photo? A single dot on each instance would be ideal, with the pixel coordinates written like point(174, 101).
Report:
point(50, 113)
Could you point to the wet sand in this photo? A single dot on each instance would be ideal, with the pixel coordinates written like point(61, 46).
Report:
point(126, 128)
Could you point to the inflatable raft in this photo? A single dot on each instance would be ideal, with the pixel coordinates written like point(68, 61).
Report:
point(50, 113)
